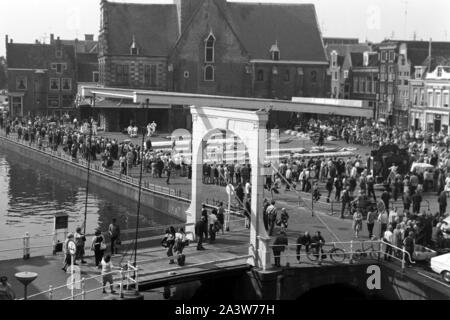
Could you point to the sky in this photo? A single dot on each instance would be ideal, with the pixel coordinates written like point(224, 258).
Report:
point(373, 20)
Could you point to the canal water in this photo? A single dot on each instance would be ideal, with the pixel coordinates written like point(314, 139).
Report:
point(31, 194)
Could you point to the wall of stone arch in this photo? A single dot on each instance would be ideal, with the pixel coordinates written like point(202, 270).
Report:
point(250, 127)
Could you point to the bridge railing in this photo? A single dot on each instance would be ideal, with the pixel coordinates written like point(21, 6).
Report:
point(339, 252)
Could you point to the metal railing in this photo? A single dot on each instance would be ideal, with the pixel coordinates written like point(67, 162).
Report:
point(342, 252)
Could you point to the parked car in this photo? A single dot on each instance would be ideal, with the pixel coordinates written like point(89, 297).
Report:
point(441, 265)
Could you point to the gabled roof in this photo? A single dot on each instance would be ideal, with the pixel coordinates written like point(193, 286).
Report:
point(155, 27)
point(294, 26)
point(34, 56)
point(344, 49)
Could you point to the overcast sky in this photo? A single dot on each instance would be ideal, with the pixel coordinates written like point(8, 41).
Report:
point(365, 19)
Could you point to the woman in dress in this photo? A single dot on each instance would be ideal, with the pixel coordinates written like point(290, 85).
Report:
point(357, 222)
point(99, 247)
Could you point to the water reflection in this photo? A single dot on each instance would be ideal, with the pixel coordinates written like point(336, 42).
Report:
point(30, 195)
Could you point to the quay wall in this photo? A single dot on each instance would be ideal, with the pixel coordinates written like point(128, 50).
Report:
point(123, 187)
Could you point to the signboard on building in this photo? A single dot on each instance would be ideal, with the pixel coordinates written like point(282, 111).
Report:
point(61, 221)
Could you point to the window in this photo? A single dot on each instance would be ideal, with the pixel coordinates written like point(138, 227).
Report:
point(391, 56)
point(403, 60)
point(55, 84)
point(382, 89)
point(334, 58)
point(276, 55)
point(405, 82)
point(369, 85)
point(335, 75)
point(59, 53)
point(59, 67)
point(122, 74)
point(355, 85)
point(287, 76)
point(446, 99)
point(418, 73)
point(390, 90)
point(416, 98)
point(260, 75)
point(313, 77)
point(209, 48)
point(67, 84)
point(384, 55)
point(209, 73)
point(422, 97)
point(438, 99)
point(362, 84)
point(53, 100)
point(345, 74)
point(17, 105)
point(430, 98)
point(150, 76)
point(21, 83)
point(439, 72)
point(95, 76)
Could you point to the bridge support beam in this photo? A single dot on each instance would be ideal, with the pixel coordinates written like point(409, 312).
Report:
point(250, 127)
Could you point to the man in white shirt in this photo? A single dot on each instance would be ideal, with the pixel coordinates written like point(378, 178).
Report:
point(388, 238)
point(392, 217)
point(383, 220)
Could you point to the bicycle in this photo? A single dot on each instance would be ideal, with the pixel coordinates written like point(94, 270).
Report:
point(364, 252)
point(338, 255)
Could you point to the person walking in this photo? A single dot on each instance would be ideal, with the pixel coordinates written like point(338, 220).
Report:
point(107, 269)
point(385, 196)
point(416, 200)
point(200, 228)
point(346, 199)
point(114, 233)
point(388, 239)
point(67, 255)
point(221, 217)
point(442, 203)
point(272, 215)
point(357, 222)
point(303, 240)
point(383, 219)
point(98, 246)
point(6, 290)
point(279, 245)
point(409, 245)
point(212, 220)
point(284, 218)
point(80, 241)
point(168, 242)
point(371, 218)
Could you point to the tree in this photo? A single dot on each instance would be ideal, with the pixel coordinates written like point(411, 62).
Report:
point(3, 73)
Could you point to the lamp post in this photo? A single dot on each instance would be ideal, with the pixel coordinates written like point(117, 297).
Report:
point(147, 103)
point(89, 164)
point(26, 278)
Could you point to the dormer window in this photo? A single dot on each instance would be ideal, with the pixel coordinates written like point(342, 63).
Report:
point(134, 50)
point(59, 53)
point(209, 48)
point(334, 58)
point(439, 71)
point(275, 52)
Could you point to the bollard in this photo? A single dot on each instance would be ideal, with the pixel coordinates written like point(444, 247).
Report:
point(320, 255)
point(83, 291)
point(137, 280)
point(351, 252)
point(121, 283)
point(403, 259)
point(50, 293)
point(26, 246)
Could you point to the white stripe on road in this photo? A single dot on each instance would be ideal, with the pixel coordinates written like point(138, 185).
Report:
point(435, 280)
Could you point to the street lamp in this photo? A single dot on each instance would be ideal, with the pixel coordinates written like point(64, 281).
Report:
point(26, 278)
point(146, 105)
point(89, 163)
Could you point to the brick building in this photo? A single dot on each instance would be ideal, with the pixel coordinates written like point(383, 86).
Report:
point(41, 78)
point(364, 78)
point(210, 47)
point(397, 66)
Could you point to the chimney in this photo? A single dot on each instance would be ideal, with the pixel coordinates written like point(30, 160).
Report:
point(6, 38)
point(52, 38)
point(36, 42)
point(429, 55)
point(89, 37)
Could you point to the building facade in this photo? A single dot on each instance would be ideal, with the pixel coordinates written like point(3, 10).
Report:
point(364, 79)
point(340, 57)
point(208, 47)
point(430, 99)
point(41, 78)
